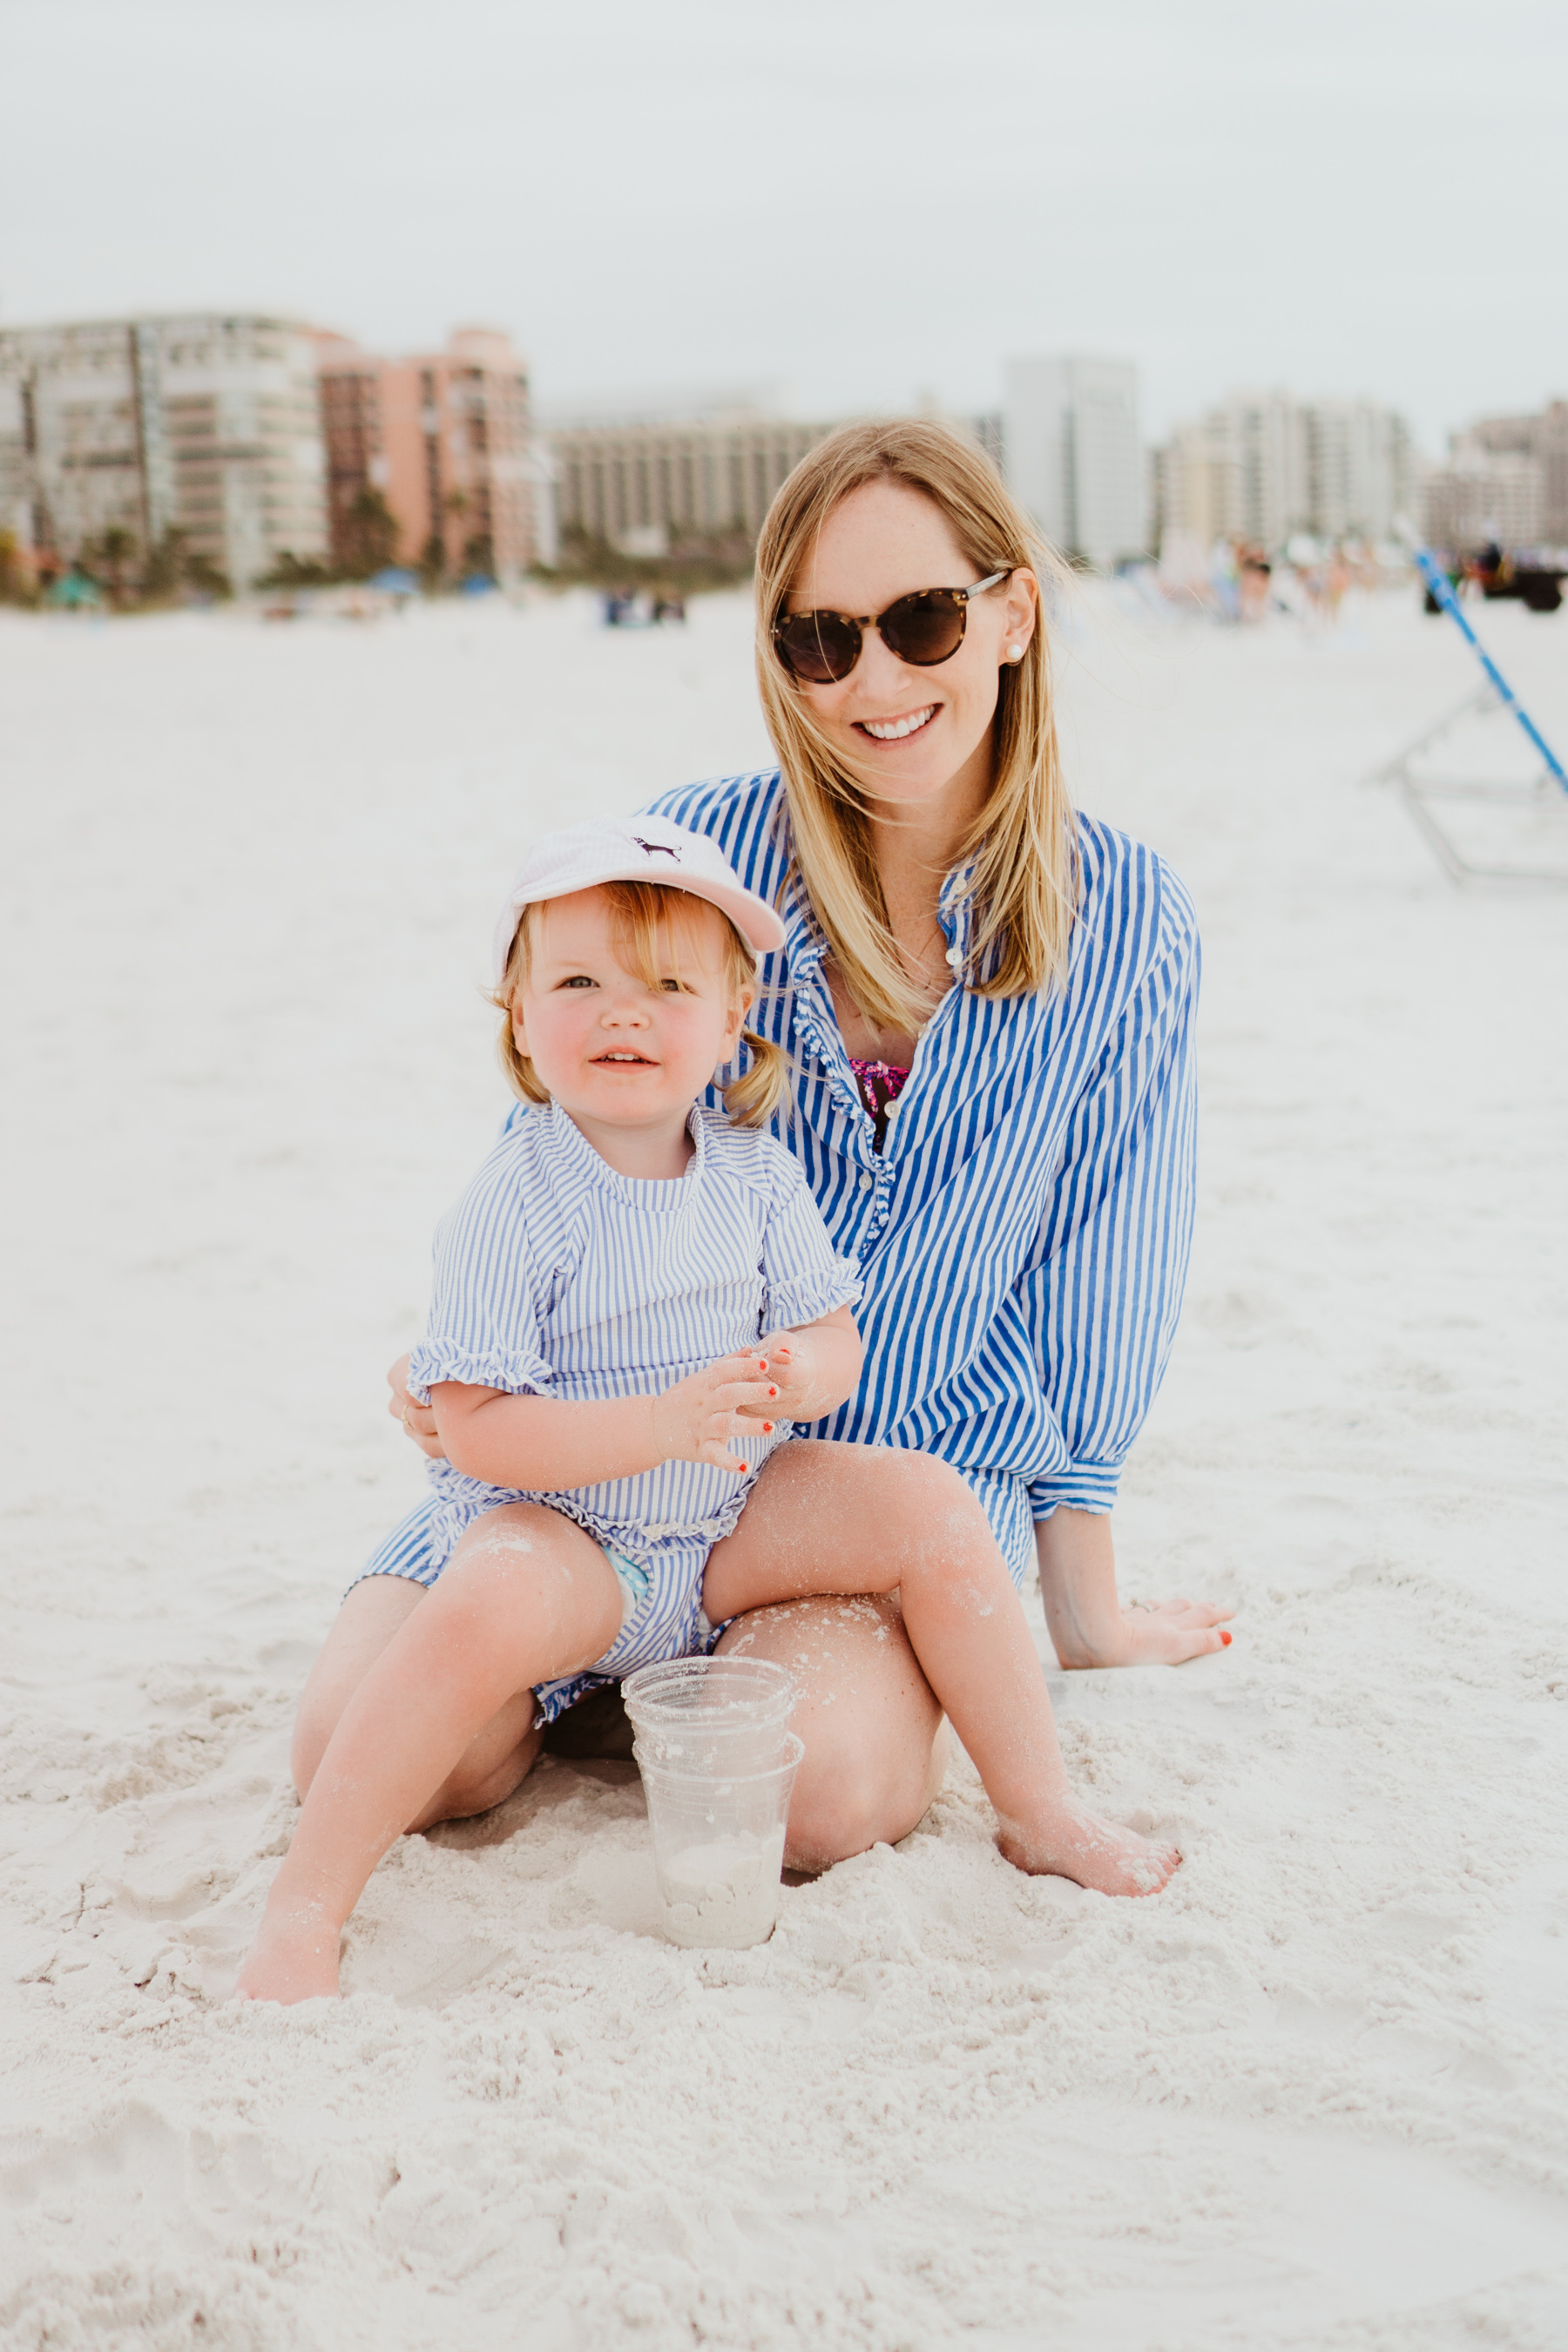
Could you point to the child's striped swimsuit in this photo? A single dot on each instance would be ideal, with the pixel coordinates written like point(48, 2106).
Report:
point(557, 1276)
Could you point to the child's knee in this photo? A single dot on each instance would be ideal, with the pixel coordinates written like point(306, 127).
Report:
point(924, 1500)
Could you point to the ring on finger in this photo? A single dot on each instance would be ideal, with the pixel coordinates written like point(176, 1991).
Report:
point(408, 1424)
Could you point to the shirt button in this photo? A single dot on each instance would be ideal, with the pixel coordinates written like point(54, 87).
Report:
point(954, 955)
point(865, 1183)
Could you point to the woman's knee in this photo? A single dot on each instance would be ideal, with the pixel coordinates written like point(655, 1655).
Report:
point(844, 1801)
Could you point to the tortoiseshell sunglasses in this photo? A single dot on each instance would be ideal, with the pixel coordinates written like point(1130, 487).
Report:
point(924, 628)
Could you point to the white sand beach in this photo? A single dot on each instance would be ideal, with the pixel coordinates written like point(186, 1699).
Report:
point(1314, 2094)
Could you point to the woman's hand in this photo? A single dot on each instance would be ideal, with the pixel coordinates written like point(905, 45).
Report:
point(418, 1420)
point(1169, 1633)
point(696, 1420)
point(1089, 1626)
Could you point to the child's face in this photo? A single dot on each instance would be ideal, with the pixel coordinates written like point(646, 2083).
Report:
point(608, 1046)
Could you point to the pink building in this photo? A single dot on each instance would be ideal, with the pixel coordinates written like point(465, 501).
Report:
point(446, 439)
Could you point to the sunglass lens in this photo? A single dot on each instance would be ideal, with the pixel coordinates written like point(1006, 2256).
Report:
point(820, 648)
point(925, 628)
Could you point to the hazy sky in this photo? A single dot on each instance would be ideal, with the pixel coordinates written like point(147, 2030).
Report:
point(868, 198)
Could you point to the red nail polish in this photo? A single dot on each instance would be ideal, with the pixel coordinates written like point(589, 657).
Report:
point(1225, 1639)
point(767, 1428)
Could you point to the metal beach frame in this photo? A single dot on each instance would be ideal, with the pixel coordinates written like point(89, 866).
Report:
point(1420, 794)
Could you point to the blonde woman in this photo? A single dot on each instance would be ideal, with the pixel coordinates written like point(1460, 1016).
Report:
point(988, 1005)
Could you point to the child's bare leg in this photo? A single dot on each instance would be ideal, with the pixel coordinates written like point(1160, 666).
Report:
point(497, 1760)
point(827, 1518)
point(527, 1596)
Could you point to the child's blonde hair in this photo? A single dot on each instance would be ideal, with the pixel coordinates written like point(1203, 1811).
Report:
point(639, 912)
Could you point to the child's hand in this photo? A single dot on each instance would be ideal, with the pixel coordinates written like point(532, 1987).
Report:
point(779, 1356)
point(814, 1368)
point(696, 1420)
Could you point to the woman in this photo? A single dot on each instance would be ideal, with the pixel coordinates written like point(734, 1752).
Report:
point(988, 1006)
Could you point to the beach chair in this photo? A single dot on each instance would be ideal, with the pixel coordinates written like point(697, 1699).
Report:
point(1426, 796)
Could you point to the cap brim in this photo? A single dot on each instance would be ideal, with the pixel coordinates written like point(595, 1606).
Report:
point(755, 920)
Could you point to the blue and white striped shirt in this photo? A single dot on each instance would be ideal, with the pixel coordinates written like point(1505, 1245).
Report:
point(1022, 1235)
point(556, 1275)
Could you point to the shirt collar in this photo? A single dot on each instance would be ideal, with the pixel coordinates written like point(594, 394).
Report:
point(572, 1151)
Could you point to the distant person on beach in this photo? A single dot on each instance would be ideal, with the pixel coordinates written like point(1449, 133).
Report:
point(633, 1288)
point(1254, 572)
point(987, 1007)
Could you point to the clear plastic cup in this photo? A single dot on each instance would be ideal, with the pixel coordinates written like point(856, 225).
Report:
point(717, 1848)
point(710, 1715)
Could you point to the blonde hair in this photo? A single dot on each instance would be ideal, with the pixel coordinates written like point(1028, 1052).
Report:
point(1024, 842)
point(640, 913)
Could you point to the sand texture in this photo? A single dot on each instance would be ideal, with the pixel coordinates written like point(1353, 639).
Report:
point(1314, 2094)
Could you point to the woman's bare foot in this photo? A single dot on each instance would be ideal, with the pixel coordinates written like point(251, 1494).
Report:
point(294, 1957)
point(1066, 1842)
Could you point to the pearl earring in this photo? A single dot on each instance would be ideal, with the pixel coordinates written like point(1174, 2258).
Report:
point(1014, 653)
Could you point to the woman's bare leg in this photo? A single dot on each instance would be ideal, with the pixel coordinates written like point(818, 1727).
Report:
point(497, 1761)
point(527, 1596)
point(876, 1745)
point(827, 1517)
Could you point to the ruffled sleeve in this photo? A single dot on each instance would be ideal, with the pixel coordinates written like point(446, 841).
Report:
point(804, 1277)
point(486, 1301)
point(521, 1370)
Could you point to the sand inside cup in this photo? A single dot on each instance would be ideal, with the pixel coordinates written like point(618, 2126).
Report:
point(725, 1893)
point(717, 1848)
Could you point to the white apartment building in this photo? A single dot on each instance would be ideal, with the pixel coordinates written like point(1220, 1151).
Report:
point(206, 426)
point(1263, 465)
point(1073, 458)
point(641, 481)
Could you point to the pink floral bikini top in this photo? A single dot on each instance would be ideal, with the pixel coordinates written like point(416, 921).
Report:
point(880, 1083)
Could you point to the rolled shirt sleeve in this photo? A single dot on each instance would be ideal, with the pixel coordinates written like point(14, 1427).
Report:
point(1110, 1264)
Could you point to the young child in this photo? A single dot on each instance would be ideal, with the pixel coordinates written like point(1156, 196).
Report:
point(632, 1300)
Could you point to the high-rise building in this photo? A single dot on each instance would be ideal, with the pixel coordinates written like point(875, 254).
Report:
point(1506, 478)
point(642, 481)
point(1073, 458)
point(1262, 465)
point(1360, 468)
point(1483, 495)
point(446, 441)
point(206, 427)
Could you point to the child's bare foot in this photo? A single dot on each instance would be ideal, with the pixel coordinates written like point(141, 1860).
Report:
point(1066, 1842)
point(294, 1957)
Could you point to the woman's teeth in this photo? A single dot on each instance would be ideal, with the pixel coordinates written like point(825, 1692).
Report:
point(890, 730)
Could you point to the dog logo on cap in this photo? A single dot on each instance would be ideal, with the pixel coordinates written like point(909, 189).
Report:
point(661, 847)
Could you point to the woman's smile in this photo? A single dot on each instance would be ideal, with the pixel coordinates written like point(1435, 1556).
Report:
point(898, 731)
